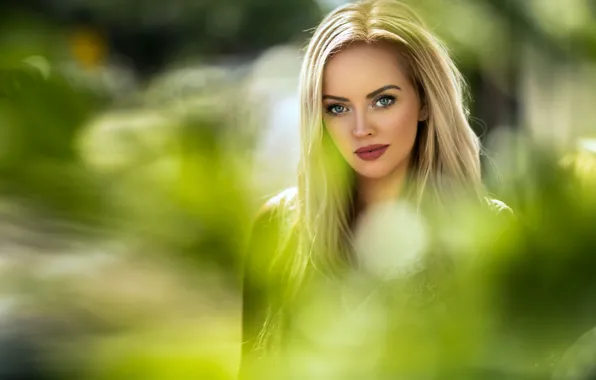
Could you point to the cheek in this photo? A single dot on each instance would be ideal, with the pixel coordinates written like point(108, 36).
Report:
point(339, 130)
point(399, 129)
point(398, 122)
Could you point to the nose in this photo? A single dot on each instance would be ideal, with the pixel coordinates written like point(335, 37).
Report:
point(362, 126)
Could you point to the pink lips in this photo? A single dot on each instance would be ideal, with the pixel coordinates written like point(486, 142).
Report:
point(371, 152)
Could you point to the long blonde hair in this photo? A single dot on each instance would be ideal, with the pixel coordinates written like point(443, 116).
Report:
point(446, 155)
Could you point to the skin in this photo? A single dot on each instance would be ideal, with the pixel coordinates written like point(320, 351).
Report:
point(368, 99)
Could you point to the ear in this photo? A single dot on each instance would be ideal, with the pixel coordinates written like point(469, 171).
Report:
point(423, 115)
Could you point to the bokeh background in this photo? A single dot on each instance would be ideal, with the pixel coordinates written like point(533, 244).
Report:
point(138, 139)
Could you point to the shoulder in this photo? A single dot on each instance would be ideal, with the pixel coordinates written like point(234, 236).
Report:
point(268, 230)
point(275, 217)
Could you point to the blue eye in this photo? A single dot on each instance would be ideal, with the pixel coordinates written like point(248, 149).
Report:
point(385, 101)
point(336, 109)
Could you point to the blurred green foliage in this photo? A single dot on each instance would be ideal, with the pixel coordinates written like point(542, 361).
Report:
point(122, 229)
point(40, 117)
point(95, 211)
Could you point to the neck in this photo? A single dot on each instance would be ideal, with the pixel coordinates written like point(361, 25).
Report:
point(372, 191)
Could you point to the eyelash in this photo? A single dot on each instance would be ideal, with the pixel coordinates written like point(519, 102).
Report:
point(329, 108)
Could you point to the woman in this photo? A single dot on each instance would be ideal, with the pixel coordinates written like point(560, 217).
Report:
point(383, 118)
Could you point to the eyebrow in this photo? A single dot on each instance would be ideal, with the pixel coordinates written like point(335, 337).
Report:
point(371, 95)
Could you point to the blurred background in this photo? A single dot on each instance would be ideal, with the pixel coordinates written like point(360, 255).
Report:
point(138, 139)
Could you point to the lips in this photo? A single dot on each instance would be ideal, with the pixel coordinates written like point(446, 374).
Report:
point(371, 152)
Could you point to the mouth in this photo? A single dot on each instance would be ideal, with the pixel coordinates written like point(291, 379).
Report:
point(371, 152)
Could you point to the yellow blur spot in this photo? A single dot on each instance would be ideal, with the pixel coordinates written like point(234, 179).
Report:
point(88, 48)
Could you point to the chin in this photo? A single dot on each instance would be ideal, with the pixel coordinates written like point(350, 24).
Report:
point(372, 172)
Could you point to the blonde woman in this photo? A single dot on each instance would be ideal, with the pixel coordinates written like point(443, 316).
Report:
point(383, 118)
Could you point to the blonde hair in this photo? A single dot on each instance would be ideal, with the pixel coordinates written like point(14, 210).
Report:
point(446, 155)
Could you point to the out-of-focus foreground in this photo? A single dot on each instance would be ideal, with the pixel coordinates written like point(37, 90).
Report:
point(137, 140)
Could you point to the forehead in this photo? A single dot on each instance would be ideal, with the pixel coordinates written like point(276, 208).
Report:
point(363, 67)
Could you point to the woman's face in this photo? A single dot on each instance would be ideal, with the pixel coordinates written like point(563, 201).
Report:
point(371, 108)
